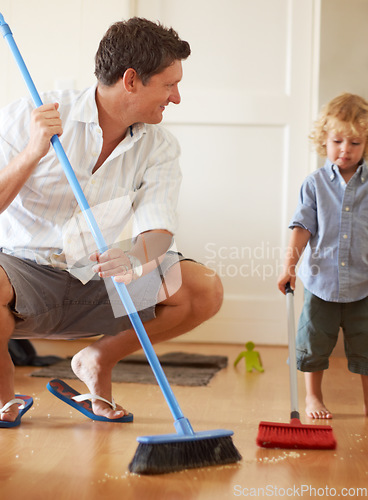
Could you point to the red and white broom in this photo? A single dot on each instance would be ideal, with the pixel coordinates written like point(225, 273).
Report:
point(294, 435)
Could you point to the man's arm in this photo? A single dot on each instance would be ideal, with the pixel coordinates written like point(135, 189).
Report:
point(45, 122)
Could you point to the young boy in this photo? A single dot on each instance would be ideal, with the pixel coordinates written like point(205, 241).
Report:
point(331, 224)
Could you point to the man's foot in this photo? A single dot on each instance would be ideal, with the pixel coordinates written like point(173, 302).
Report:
point(314, 408)
point(10, 414)
point(85, 364)
point(7, 388)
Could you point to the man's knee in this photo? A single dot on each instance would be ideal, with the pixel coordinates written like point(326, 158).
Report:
point(213, 293)
point(196, 285)
point(205, 291)
point(6, 289)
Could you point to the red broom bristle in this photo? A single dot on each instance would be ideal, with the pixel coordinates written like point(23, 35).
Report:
point(295, 436)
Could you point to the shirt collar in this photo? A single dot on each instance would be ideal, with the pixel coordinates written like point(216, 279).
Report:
point(85, 108)
point(85, 111)
point(332, 170)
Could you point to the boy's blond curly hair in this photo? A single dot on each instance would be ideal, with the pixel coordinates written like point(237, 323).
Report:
point(346, 113)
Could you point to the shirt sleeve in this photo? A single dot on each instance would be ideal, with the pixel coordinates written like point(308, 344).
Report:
point(305, 215)
point(14, 129)
point(157, 196)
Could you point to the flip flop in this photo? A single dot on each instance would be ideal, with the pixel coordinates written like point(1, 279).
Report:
point(25, 403)
point(81, 402)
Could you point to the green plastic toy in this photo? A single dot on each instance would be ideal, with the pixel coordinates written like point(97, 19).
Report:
point(252, 358)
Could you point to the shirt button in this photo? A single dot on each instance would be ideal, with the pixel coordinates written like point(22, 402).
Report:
point(347, 209)
point(343, 264)
point(345, 236)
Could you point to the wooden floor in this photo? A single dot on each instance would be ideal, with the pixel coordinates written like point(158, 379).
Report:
point(57, 453)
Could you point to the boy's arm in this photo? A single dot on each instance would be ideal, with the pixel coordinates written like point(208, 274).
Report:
point(298, 241)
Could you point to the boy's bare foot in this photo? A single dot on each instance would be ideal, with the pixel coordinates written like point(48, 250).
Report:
point(97, 378)
point(316, 409)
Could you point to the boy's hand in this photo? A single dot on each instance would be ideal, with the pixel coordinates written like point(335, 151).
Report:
point(286, 278)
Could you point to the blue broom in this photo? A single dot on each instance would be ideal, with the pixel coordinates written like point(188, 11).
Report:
point(155, 454)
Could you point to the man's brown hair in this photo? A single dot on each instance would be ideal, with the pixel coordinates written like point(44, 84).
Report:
point(138, 43)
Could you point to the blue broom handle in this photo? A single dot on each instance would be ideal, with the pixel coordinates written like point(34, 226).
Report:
point(99, 239)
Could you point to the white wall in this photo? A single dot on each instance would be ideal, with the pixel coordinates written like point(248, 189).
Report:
point(57, 40)
point(243, 125)
point(247, 105)
point(343, 49)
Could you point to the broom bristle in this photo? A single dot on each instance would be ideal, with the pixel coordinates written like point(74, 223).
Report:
point(174, 456)
point(295, 436)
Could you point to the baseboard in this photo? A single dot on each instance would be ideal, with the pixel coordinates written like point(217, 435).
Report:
point(243, 319)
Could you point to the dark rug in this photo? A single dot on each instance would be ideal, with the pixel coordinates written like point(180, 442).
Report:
point(180, 369)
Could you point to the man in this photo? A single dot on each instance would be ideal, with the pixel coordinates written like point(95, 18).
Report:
point(127, 166)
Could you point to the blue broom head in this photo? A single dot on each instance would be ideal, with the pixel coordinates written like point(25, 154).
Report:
point(172, 452)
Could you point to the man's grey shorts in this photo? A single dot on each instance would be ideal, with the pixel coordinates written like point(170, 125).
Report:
point(51, 303)
point(318, 329)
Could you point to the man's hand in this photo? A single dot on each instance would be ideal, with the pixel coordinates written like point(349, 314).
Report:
point(45, 122)
point(113, 263)
point(149, 250)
